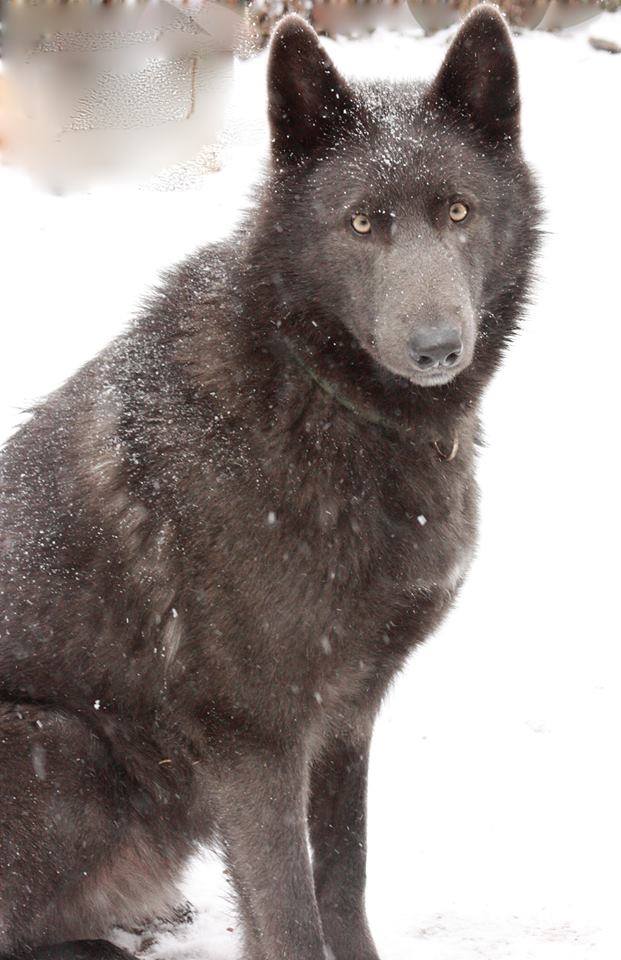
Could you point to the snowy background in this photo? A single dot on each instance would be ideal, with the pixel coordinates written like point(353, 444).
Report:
point(495, 796)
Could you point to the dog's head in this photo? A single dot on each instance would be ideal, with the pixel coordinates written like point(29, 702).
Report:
point(405, 211)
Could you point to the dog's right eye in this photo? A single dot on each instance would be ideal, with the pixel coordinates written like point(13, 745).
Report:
point(458, 211)
point(361, 223)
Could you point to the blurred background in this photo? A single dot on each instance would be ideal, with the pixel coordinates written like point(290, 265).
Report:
point(92, 91)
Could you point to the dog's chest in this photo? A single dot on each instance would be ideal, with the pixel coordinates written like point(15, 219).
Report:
point(413, 534)
point(341, 565)
point(352, 591)
point(309, 590)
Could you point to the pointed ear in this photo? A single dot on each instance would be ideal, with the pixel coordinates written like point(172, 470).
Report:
point(309, 102)
point(479, 76)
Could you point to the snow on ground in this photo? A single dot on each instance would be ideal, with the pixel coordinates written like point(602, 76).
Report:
point(495, 789)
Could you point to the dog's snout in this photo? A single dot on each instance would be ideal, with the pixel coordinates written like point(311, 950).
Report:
point(436, 347)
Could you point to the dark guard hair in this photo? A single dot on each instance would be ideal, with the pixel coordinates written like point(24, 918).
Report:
point(222, 537)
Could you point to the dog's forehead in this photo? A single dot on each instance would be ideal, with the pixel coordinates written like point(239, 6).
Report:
point(418, 153)
point(417, 166)
point(400, 149)
point(400, 126)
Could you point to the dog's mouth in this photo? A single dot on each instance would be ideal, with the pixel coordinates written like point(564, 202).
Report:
point(433, 378)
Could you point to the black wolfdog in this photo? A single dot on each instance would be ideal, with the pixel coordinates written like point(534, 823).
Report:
point(222, 537)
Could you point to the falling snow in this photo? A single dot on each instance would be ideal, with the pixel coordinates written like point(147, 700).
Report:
point(494, 790)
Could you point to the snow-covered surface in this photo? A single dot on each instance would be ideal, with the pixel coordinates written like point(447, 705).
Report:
point(495, 789)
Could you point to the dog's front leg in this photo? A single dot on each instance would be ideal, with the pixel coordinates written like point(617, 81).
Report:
point(262, 816)
point(337, 816)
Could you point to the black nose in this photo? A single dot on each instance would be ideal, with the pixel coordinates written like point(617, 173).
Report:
point(436, 347)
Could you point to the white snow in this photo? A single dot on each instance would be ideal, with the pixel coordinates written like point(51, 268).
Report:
point(495, 789)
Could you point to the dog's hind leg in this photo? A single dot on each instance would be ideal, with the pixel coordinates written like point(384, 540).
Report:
point(72, 857)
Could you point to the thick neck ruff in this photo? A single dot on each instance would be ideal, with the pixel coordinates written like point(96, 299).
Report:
point(390, 426)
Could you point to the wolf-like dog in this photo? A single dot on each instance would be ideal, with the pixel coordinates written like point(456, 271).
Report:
point(222, 537)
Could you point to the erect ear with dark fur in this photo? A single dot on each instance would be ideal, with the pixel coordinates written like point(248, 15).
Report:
point(309, 102)
point(479, 76)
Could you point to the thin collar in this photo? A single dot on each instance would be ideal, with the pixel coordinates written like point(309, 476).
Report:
point(385, 423)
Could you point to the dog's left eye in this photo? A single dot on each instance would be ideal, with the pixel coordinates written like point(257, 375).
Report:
point(361, 223)
point(458, 211)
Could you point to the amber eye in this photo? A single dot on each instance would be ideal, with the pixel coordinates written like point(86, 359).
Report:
point(361, 223)
point(458, 211)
